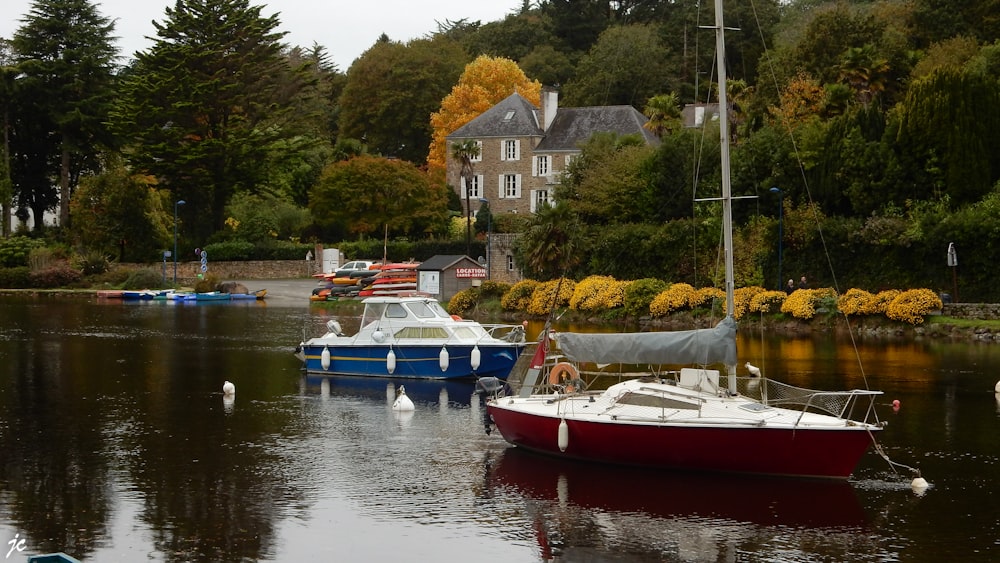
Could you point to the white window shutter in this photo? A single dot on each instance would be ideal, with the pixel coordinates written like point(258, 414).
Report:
point(503, 189)
point(461, 192)
point(533, 208)
point(517, 185)
point(517, 149)
point(534, 166)
point(503, 150)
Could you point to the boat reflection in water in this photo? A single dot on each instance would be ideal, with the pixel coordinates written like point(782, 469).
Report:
point(641, 512)
point(427, 391)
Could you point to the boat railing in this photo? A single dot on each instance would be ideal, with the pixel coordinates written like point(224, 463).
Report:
point(842, 404)
point(508, 332)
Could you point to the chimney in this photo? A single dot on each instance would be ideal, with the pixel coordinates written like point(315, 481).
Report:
point(550, 106)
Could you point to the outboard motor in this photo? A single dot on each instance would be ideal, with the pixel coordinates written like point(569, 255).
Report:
point(489, 387)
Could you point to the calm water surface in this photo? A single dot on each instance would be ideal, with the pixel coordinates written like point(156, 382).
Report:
point(116, 444)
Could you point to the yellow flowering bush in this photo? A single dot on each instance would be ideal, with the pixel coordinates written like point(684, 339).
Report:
point(911, 306)
point(519, 296)
point(676, 297)
point(767, 301)
point(855, 302)
point(802, 303)
point(705, 296)
point(463, 301)
point(880, 302)
point(742, 298)
point(597, 293)
point(544, 299)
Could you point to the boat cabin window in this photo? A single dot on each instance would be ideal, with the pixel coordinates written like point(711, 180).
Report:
point(465, 332)
point(422, 310)
point(435, 332)
point(395, 311)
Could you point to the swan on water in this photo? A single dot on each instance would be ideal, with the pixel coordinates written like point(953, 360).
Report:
point(228, 388)
point(754, 370)
point(402, 403)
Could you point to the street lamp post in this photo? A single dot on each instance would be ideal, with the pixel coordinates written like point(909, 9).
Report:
point(781, 207)
point(489, 237)
point(176, 203)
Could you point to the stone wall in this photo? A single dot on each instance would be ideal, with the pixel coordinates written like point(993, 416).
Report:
point(982, 311)
point(187, 272)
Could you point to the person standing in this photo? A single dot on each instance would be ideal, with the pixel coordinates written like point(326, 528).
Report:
point(803, 284)
point(790, 286)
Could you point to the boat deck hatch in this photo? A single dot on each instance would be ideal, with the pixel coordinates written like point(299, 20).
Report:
point(755, 407)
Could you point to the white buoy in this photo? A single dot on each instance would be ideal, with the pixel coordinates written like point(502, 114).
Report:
point(228, 388)
point(563, 435)
point(324, 358)
point(390, 361)
point(997, 388)
point(477, 357)
point(402, 403)
point(754, 370)
point(919, 485)
point(443, 359)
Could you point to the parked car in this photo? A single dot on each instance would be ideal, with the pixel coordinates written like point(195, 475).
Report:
point(354, 266)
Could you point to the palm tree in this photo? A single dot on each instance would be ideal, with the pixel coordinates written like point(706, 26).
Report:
point(663, 111)
point(549, 248)
point(465, 152)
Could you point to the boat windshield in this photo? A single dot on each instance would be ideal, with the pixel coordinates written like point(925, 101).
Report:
point(373, 312)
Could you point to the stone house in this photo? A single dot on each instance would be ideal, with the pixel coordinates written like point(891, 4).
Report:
point(523, 152)
point(524, 149)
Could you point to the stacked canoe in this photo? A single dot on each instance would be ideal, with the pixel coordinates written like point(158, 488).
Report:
point(393, 279)
point(399, 278)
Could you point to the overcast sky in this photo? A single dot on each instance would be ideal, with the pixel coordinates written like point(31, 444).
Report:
point(346, 28)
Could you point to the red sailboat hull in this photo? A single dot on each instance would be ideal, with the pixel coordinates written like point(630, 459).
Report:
point(800, 452)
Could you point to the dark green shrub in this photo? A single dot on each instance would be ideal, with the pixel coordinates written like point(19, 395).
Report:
point(14, 251)
point(58, 275)
point(93, 263)
point(640, 293)
point(146, 278)
point(15, 278)
point(231, 250)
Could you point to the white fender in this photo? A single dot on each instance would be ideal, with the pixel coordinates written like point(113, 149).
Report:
point(443, 359)
point(390, 361)
point(324, 358)
point(476, 357)
point(563, 435)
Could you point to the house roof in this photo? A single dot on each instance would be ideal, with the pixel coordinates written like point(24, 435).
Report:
point(574, 126)
point(514, 116)
point(442, 262)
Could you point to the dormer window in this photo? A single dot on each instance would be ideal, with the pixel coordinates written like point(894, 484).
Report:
point(509, 116)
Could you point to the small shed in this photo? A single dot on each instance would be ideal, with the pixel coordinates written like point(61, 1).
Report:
point(444, 275)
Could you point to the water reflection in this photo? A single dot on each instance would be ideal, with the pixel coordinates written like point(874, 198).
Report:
point(117, 441)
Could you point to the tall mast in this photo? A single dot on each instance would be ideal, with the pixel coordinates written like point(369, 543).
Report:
point(727, 199)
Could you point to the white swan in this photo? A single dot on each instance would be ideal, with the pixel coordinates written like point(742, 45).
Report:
point(402, 403)
point(754, 370)
point(228, 388)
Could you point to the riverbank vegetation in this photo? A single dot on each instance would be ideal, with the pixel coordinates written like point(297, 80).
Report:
point(866, 140)
point(605, 298)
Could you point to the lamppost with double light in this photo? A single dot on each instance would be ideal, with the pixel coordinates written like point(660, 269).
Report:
point(489, 236)
point(176, 203)
point(781, 207)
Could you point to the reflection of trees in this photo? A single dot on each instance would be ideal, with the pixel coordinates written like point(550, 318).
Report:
point(53, 466)
point(99, 399)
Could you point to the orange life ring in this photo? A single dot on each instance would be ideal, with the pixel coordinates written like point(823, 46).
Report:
point(559, 371)
point(456, 318)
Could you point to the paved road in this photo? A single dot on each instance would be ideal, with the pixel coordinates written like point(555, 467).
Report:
point(289, 292)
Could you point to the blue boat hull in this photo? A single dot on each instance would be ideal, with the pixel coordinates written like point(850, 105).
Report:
point(421, 362)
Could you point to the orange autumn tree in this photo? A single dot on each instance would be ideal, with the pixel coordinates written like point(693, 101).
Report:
point(485, 82)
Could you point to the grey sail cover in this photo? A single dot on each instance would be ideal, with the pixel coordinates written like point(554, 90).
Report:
point(700, 347)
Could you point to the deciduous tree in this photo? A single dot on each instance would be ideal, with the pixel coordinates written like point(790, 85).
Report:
point(485, 81)
point(367, 193)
